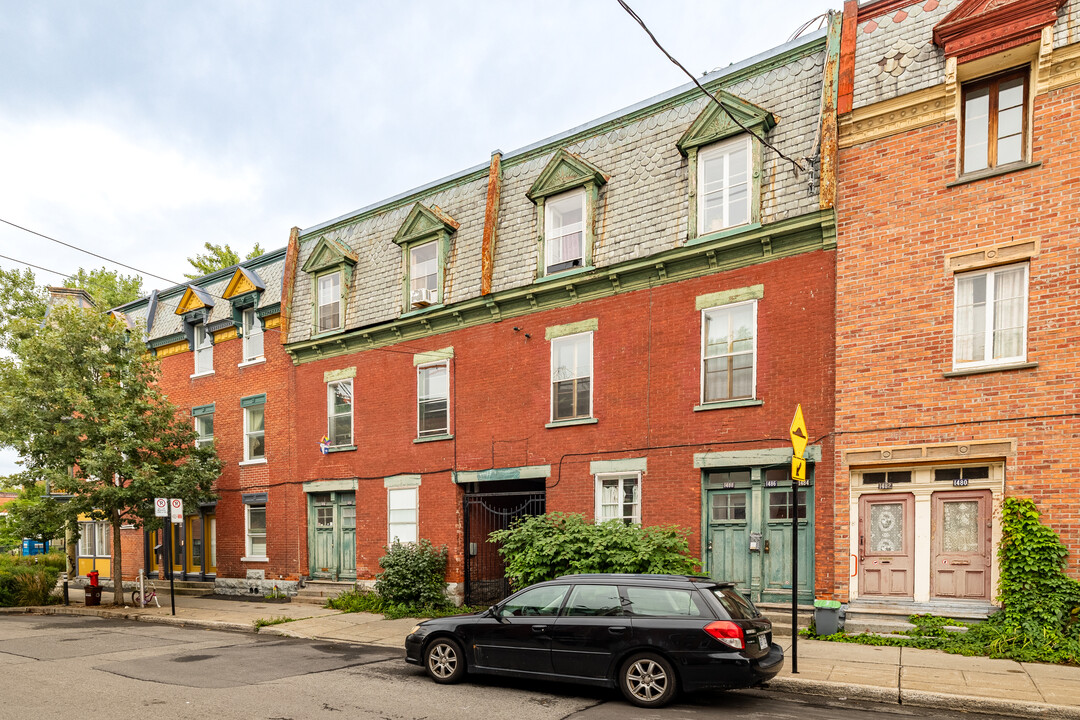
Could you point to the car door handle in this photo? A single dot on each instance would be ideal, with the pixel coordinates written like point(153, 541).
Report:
point(539, 628)
point(616, 630)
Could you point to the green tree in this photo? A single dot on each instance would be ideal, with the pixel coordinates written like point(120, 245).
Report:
point(22, 304)
point(80, 402)
point(218, 257)
point(31, 516)
point(108, 287)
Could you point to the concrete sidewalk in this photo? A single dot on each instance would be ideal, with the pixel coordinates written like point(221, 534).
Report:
point(926, 678)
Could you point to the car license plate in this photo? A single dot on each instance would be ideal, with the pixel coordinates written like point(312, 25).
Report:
point(763, 642)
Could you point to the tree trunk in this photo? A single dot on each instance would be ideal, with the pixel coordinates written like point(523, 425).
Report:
point(117, 570)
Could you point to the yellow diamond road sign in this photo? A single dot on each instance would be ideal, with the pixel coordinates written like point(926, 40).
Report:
point(798, 433)
point(798, 468)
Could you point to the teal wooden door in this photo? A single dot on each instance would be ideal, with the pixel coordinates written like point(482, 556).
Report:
point(776, 570)
point(729, 537)
point(323, 562)
point(346, 535)
point(332, 519)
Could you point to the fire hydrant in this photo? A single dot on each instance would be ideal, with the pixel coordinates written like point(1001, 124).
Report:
point(93, 575)
point(92, 592)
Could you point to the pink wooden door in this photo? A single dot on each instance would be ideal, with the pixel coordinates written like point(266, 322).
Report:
point(887, 545)
point(961, 545)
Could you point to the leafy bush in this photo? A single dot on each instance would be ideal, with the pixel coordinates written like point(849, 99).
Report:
point(414, 574)
point(543, 547)
point(1040, 619)
point(363, 600)
point(25, 581)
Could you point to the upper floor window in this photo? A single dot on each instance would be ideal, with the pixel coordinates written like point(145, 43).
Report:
point(990, 323)
point(253, 336)
point(423, 274)
point(254, 427)
point(995, 121)
point(564, 231)
point(339, 412)
point(328, 305)
point(432, 398)
point(724, 173)
point(204, 428)
point(571, 377)
point(204, 350)
point(618, 497)
point(728, 350)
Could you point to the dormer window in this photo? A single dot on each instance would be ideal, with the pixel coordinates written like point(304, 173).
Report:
point(564, 231)
point(724, 184)
point(244, 293)
point(204, 350)
point(253, 336)
point(424, 239)
point(423, 274)
point(328, 306)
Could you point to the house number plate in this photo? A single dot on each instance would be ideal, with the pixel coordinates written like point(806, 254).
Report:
point(960, 482)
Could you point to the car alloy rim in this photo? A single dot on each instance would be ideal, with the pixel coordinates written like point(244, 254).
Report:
point(442, 660)
point(646, 680)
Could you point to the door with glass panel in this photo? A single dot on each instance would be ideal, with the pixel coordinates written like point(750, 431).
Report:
point(728, 545)
point(777, 556)
point(887, 545)
point(332, 518)
point(961, 545)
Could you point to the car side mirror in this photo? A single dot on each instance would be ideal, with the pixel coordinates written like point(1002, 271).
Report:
point(493, 611)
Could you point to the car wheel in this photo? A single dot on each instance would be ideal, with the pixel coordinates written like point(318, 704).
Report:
point(647, 680)
point(444, 661)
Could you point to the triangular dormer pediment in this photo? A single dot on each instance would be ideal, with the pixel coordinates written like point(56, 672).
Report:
point(328, 253)
point(715, 124)
point(243, 281)
point(423, 221)
point(979, 28)
point(565, 171)
point(194, 298)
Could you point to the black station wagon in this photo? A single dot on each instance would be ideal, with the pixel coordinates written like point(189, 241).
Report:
point(649, 635)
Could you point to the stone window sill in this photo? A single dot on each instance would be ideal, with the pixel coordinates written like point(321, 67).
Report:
point(255, 559)
point(249, 363)
point(992, 172)
point(340, 448)
point(259, 461)
point(433, 438)
point(963, 372)
point(570, 423)
point(202, 374)
point(749, 402)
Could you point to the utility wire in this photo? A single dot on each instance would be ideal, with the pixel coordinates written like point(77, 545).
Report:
point(88, 252)
point(763, 141)
point(36, 267)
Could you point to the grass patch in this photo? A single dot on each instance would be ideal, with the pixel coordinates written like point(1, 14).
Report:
point(265, 622)
point(364, 600)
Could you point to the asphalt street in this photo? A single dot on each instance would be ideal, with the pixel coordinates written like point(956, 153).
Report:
point(65, 666)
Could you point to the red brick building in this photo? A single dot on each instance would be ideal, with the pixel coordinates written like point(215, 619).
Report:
point(957, 291)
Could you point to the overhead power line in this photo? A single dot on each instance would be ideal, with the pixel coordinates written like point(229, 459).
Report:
point(36, 267)
point(798, 166)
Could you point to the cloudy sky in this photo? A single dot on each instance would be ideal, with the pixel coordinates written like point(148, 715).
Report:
point(140, 130)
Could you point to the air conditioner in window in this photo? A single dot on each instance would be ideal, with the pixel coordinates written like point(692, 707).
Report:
point(422, 297)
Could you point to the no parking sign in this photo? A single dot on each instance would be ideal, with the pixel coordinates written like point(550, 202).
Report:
point(161, 507)
point(176, 510)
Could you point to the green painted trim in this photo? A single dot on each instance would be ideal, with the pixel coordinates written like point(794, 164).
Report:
point(432, 438)
point(721, 234)
point(626, 465)
point(421, 311)
point(166, 340)
point(423, 358)
point(564, 274)
point(340, 448)
point(341, 485)
point(727, 297)
point(202, 410)
point(558, 331)
point(713, 123)
point(565, 171)
point(253, 400)
point(570, 423)
point(326, 255)
point(750, 458)
point(728, 404)
point(788, 238)
point(401, 481)
point(342, 374)
point(525, 472)
point(421, 224)
point(268, 310)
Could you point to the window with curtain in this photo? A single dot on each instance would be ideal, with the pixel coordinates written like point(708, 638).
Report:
point(254, 433)
point(990, 321)
point(432, 395)
point(728, 352)
point(204, 350)
point(256, 531)
point(618, 497)
point(724, 185)
point(253, 336)
point(564, 231)
point(571, 377)
point(95, 539)
point(328, 305)
point(339, 411)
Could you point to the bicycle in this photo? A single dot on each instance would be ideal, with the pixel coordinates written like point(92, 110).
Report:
point(143, 599)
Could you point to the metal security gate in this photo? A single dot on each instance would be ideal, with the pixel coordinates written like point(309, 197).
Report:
point(485, 572)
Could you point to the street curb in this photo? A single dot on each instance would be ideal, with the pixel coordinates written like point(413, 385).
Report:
point(134, 616)
point(921, 698)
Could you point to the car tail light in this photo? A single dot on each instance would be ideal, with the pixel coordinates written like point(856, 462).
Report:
point(727, 632)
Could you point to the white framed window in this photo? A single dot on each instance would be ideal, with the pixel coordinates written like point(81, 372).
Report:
point(253, 336)
point(204, 428)
point(432, 399)
point(328, 305)
point(339, 412)
point(990, 317)
point(255, 531)
point(724, 183)
point(728, 352)
point(255, 432)
point(571, 377)
point(564, 231)
point(95, 539)
point(402, 505)
point(618, 497)
point(204, 350)
point(424, 274)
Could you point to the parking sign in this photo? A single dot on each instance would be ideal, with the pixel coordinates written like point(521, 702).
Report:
point(161, 507)
point(176, 510)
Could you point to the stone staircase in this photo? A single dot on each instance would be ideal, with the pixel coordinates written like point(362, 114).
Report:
point(780, 616)
point(883, 617)
point(317, 592)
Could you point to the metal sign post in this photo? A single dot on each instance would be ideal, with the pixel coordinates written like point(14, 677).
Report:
point(176, 513)
point(798, 472)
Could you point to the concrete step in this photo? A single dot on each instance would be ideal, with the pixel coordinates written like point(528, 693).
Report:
point(317, 592)
point(780, 617)
point(883, 617)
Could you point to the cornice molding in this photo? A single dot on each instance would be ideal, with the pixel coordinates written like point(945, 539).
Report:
point(1064, 67)
point(893, 116)
point(971, 32)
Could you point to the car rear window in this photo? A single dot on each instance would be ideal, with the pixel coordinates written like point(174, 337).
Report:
point(738, 607)
point(663, 602)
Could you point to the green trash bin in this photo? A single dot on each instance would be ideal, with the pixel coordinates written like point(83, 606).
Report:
point(827, 616)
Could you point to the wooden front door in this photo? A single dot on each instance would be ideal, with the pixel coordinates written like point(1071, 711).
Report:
point(333, 535)
point(776, 568)
point(729, 537)
point(961, 545)
point(887, 545)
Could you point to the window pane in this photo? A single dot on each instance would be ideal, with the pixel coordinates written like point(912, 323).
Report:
point(564, 231)
point(341, 397)
point(424, 265)
point(886, 528)
point(662, 602)
point(255, 418)
point(256, 518)
point(976, 129)
point(961, 526)
point(329, 301)
point(258, 546)
point(1011, 93)
point(433, 417)
point(256, 447)
point(341, 430)
point(593, 601)
point(541, 601)
point(403, 498)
